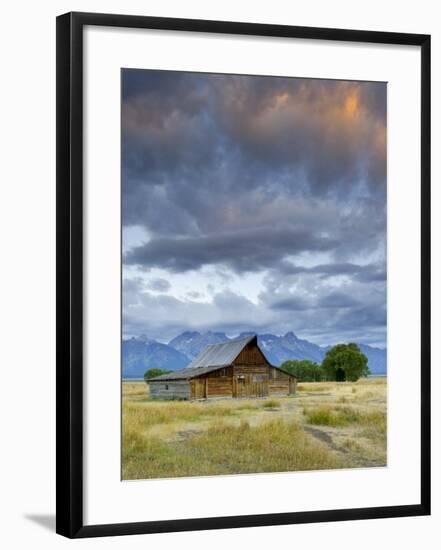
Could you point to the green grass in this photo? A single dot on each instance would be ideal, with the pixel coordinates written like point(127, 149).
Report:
point(375, 425)
point(271, 404)
point(344, 416)
point(323, 416)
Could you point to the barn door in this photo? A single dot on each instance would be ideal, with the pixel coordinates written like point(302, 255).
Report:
point(258, 385)
point(199, 388)
point(240, 386)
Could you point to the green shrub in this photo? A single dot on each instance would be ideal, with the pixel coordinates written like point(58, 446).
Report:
point(271, 404)
point(327, 416)
point(305, 370)
point(343, 416)
point(153, 373)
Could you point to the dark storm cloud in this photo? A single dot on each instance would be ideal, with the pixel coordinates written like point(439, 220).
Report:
point(331, 133)
point(189, 139)
point(249, 174)
point(306, 300)
point(318, 126)
point(337, 300)
point(363, 273)
point(310, 293)
point(242, 251)
point(291, 303)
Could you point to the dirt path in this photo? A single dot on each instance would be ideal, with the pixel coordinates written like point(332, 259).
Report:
point(325, 438)
point(357, 461)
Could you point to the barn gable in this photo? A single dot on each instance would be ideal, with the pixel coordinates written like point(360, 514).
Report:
point(251, 354)
point(219, 355)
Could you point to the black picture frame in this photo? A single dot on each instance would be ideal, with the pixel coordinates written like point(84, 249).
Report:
point(69, 294)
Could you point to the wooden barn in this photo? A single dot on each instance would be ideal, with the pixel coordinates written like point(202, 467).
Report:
point(232, 369)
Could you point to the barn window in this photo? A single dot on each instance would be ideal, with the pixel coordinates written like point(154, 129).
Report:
point(223, 372)
point(166, 386)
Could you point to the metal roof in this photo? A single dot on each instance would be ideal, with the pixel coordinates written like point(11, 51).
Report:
point(219, 355)
point(211, 358)
point(184, 374)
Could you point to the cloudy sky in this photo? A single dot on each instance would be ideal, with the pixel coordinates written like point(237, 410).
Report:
point(253, 203)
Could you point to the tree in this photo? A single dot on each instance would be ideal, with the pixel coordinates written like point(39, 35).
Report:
point(345, 362)
point(152, 373)
point(305, 370)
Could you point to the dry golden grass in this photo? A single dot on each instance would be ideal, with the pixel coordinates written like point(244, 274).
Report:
point(276, 446)
point(314, 386)
point(135, 390)
point(327, 425)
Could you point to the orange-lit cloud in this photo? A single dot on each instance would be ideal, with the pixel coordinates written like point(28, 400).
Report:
point(280, 180)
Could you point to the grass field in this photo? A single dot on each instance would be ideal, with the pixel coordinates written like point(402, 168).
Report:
point(325, 426)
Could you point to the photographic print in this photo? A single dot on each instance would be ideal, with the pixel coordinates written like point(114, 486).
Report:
point(254, 270)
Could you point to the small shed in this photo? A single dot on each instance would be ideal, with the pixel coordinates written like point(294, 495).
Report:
point(234, 369)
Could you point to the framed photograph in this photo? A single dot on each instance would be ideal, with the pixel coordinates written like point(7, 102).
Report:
point(243, 274)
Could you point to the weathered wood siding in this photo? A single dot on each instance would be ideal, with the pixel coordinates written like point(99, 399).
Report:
point(171, 389)
point(218, 383)
point(250, 355)
point(280, 383)
point(292, 385)
point(198, 388)
point(250, 373)
point(220, 387)
point(250, 380)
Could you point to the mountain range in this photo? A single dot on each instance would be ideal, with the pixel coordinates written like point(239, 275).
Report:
point(142, 353)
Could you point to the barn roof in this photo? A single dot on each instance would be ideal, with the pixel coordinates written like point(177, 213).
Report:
point(211, 358)
point(184, 374)
point(219, 355)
